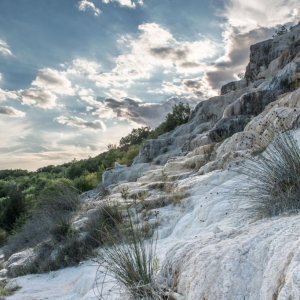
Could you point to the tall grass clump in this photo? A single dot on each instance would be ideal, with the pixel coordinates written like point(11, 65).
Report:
point(273, 177)
point(132, 260)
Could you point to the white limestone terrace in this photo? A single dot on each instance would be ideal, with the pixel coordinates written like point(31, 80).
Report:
point(210, 245)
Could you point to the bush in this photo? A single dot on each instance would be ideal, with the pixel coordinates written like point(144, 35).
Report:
point(86, 182)
point(132, 261)
point(58, 195)
point(273, 177)
point(180, 115)
point(102, 224)
point(56, 205)
point(12, 208)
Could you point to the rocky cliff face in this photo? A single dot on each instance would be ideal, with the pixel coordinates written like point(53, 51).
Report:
point(274, 69)
point(210, 246)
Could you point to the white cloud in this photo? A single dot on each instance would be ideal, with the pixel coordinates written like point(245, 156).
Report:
point(138, 113)
point(78, 122)
point(1, 76)
point(196, 87)
point(156, 47)
point(38, 97)
point(84, 5)
point(4, 49)
point(88, 96)
point(249, 15)
point(5, 95)
point(127, 3)
point(12, 112)
point(118, 94)
point(83, 67)
point(248, 22)
point(54, 81)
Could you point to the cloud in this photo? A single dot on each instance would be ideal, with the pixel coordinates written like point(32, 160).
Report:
point(84, 5)
point(83, 67)
point(137, 112)
point(4, 49)
point(38, 97)
point(87, 95)
point(249, 15)
point(1, 76)
point(78, 122)
point(155, 48)
point(196, 87)
point(54, 81)
point(236, 56)
point(5, 95)
point(248, 22)
point(127, 3)
point(10, 111)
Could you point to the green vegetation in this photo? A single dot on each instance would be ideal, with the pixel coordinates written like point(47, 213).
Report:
point(23, 194)
point(180, 115)
point(273, 177)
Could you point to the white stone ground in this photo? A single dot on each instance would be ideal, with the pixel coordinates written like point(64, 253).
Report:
point(218, 249)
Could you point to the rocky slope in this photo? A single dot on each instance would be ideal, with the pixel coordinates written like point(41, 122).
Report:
point(210, 246)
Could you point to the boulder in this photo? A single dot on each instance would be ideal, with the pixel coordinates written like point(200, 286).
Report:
point(19, 261)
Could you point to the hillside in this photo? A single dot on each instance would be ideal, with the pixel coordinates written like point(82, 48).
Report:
point(210, 243)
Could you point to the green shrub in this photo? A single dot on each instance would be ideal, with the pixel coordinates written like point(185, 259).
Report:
point(273, 177)
point(132, 260)
point(56, 205)
point(11, 208)
point(130, 154)
point(58, 195)
point(86, 182)
point(180, 115)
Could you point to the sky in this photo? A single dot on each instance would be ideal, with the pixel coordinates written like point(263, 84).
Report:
point(76, 76)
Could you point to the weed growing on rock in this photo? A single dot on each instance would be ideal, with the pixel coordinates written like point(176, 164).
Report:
point(132, 261)
point(273, 177)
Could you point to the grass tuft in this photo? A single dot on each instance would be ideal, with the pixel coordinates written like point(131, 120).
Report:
point(133, 262)
point(273, 177)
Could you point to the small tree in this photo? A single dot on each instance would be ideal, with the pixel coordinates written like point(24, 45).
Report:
point(241, 75)
point(136, 137)
point(281, 31)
